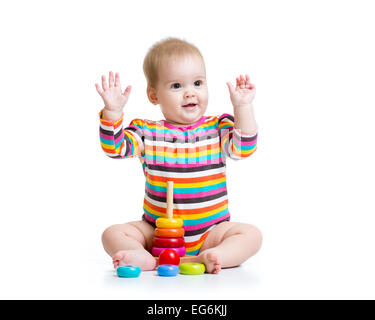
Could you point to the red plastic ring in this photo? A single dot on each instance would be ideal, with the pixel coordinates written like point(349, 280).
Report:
point(168, 242)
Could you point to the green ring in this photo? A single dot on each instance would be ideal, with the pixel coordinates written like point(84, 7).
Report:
point(192, 268)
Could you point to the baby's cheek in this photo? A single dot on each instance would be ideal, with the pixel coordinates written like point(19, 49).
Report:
point(204, 98)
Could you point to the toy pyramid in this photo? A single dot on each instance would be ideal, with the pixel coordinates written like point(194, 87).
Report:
point(169, 233)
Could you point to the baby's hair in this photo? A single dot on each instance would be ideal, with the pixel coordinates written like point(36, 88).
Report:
point(166, 48)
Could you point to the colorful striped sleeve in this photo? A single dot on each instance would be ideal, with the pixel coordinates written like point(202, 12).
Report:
point(235, 144)
point(121, 143)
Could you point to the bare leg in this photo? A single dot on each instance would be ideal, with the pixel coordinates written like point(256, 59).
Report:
point(228, 245)
point(129, 243)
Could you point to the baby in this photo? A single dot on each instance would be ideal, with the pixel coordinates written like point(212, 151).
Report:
point(187, 148)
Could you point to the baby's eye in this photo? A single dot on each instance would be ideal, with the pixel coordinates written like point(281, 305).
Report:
point(198, 83)
point(176, 86)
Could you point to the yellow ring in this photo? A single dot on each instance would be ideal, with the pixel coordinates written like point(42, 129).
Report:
point(165, 223)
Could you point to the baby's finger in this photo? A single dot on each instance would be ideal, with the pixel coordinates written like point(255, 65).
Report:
point(127, 91)
point(110, 79)
point(97, 86)
point(242, 82)
point(238, 82)
point(247, 79)
point(230, 87)
point(117, 80)
point(104, 83)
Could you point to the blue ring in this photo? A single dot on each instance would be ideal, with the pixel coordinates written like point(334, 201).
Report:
point(168, 270)
point(128, 271)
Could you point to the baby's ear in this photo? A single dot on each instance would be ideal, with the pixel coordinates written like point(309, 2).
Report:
point(151, 94)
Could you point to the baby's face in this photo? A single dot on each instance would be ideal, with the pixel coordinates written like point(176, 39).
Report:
point(182, 89)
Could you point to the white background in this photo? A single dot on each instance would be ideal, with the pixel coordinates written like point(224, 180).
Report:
point(309, 187)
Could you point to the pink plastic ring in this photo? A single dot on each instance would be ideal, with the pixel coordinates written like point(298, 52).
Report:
point(156, 251)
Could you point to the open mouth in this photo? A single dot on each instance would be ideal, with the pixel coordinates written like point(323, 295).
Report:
point(189, 105)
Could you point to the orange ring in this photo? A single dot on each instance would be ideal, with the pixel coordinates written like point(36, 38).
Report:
point(169, 233)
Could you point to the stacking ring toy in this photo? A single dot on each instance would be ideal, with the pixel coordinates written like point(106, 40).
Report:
point(192, 268)
point(156, 251)
point(169, 233)
point(168, 270)
point(166, 223)
point(169, 242)
point(128, 271)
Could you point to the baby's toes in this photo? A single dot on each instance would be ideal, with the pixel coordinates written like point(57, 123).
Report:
point(217, 268)
point(117, 258)
point(115, 264)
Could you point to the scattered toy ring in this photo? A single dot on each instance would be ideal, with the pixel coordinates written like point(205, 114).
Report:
point(128, 271)
point(166, 223)
point(156, 251)
point(169, 233)
point(192, 268)
point(168, 270)
point(169, 256)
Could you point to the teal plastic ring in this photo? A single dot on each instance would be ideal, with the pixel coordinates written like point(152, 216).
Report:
point(128, 271)
point(167, 270)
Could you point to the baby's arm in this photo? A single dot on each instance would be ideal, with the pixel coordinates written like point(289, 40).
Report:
point(242, 97)
point(117, 142)
point(238, 134)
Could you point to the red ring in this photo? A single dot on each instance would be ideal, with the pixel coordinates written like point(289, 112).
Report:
point(168, 242)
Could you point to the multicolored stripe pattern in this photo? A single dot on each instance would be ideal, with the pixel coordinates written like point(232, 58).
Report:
point(193, 157)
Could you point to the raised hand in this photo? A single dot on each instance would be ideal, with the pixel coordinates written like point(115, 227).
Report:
point(244, 92)
point(114, 99)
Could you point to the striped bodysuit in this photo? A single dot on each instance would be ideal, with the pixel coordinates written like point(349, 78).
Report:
point(193, 157)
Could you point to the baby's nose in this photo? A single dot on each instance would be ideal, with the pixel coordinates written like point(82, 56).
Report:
point(189, 94)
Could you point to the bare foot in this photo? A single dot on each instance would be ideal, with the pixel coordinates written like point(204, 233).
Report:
point(211, 259)
point(140, 258)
